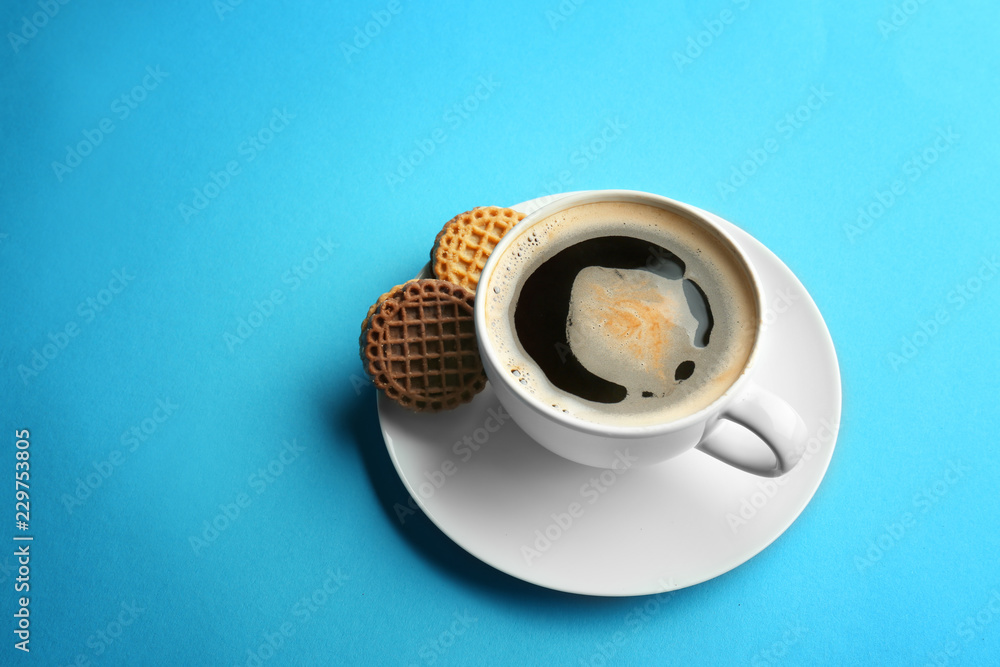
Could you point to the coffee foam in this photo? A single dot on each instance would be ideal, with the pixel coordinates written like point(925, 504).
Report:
point(636, 342)
point(631, 327)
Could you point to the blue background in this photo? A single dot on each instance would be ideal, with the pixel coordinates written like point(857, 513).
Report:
point(886, 564)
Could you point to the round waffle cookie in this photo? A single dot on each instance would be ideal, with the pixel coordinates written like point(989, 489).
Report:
point(419, 346)
point(466, 241)
point(391, 294)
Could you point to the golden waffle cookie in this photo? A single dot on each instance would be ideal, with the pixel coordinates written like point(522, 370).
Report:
point(419, 346)
point(462, 247)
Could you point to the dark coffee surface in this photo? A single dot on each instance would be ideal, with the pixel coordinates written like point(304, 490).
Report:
point(542, 315)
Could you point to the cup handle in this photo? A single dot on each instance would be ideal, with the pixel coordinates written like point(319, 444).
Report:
point(771, 419)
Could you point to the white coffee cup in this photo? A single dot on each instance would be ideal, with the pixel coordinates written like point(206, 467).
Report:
point(601, 445)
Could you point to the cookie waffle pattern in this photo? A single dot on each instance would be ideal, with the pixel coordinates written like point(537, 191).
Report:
point(391, 294)
point(420, 347)
point(462, 247)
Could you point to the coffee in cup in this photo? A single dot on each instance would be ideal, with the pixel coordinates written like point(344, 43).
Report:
point(622, 313)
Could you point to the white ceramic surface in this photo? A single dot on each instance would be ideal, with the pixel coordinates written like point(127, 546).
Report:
point(536, 516)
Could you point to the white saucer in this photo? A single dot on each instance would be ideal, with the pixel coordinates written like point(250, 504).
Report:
point(651, 529)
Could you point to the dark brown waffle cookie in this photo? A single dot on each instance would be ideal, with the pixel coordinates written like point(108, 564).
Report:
point(419, 346)
point(391, 294)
